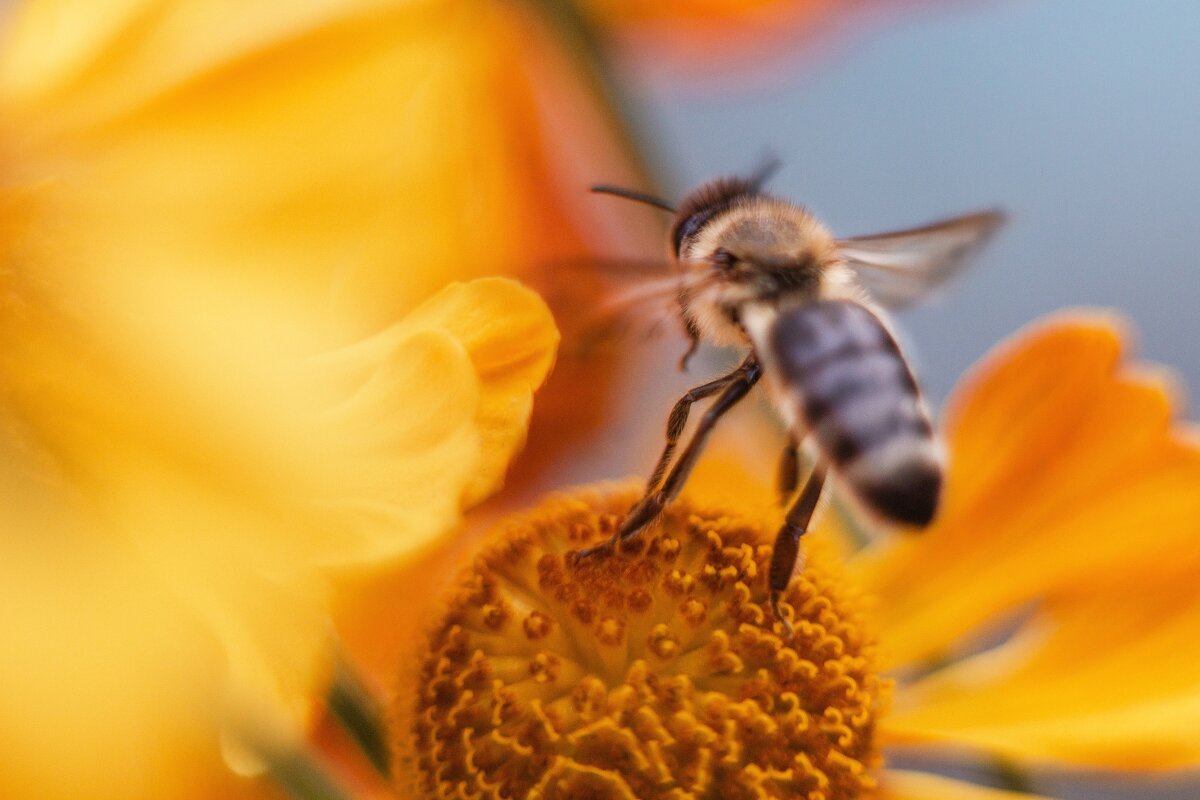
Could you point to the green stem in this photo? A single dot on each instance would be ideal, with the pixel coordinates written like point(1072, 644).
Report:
point(361, 715)
point(302, 776)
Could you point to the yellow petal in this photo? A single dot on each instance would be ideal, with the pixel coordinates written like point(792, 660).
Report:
point(353, 156)
point(464, 416)
point(108, 679)
point(343, 159)
point(1102, 676)
point(1057, 451)
point(229, 501)
point(510, 339)
point(907, 785)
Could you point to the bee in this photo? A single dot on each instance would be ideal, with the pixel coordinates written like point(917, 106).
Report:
point(755, 271)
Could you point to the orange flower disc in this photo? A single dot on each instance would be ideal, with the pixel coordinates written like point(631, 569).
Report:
point(655, 672)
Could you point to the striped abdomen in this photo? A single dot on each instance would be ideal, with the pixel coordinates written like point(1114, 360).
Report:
point(854, 392)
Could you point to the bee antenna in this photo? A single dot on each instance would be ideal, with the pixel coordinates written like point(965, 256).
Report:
point(633, 194)
point(767, 167)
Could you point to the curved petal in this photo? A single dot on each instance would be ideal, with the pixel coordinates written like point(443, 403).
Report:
point(510, 338)
point(229, 503)
point(500, 339)
point(1057, 451)
point(340, 160)
point(906, 785)
point(1104, 676)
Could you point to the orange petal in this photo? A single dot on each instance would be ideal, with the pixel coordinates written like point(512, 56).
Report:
point(720, 30)
point(1057, 450)
point(1104, 675)
point(906, 785)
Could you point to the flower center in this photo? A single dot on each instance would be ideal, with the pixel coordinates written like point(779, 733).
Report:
point(657, 671)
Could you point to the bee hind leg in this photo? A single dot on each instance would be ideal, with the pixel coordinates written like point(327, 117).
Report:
point(736, 385)
point(786, 551)
point(788, 477)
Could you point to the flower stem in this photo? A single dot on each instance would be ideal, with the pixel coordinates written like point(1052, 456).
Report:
point(302, 776)
point(359, 713)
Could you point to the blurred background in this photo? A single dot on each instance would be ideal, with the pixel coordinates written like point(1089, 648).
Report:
point(1081, 120)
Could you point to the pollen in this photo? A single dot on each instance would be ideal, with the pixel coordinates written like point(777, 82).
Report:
point(655, 671)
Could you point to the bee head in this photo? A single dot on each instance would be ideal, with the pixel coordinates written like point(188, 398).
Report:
point(702, 205)
point(759, 248)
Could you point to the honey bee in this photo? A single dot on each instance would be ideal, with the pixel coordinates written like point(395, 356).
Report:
point(755, 271)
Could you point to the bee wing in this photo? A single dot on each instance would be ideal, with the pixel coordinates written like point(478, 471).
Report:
point(598, 302)
point(902, 267)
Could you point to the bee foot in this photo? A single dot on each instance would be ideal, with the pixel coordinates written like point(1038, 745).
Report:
point(641, 515)
point(784, 621)
point(607, 546)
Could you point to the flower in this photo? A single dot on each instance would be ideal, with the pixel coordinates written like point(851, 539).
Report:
point(1026, 624)
point(653, 673)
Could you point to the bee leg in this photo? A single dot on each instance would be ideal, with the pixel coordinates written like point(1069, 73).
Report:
point(653, 503)
point(678, 420)
point(693, 334)
point(787, 542)
point(789, 470)
point(736, 386)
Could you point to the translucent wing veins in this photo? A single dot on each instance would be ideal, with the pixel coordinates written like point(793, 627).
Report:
point(901, 267)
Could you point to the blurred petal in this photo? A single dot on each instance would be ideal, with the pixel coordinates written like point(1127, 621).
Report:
point(343, 159)
point(1057, 451)
point(695, 30)
point(320, 148)
point(905, 785)
point(499, 340)
point(108, 680)
point(231, 476)
point(510, 339)
point(1102, 676)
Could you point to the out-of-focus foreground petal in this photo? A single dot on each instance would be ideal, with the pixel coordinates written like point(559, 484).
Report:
point(210, 213)
point(353, 156)
point(225, 488)
point(109, 680)
point(1058, 451)
point(905, 785)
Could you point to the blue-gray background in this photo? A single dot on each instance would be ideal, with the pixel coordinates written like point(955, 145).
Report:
point(1082, 119)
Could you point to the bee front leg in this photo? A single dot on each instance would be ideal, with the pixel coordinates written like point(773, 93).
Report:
point(736, 385)
point(652, 505)
point(787, 542)
point(679, 417)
